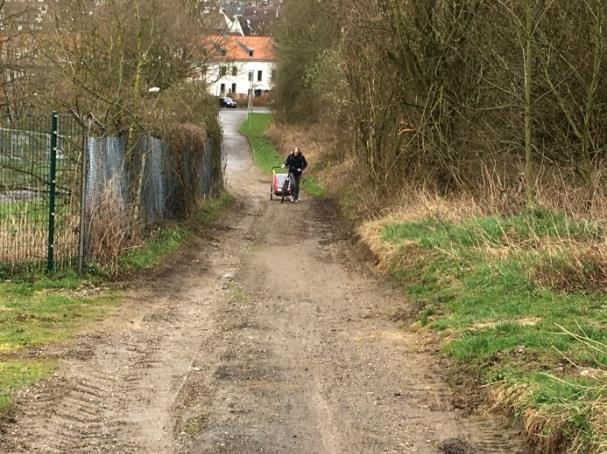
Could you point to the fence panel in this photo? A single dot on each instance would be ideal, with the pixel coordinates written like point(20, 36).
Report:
point(24, 191)
point(68, 198)
point(152, 159)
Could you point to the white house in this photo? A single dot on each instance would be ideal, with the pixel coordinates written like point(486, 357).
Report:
point(238, 64)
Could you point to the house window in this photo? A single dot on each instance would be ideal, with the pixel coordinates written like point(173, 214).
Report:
point(258, 93)
point(250, 52)
point(234, 71)
point(259, 76)
point(223, 71)
point(222, 89)
point(233, 88)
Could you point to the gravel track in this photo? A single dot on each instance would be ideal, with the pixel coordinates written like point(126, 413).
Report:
point(265, 335)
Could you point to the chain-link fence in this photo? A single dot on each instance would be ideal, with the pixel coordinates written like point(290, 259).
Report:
point(130, 189)
point(67, 197)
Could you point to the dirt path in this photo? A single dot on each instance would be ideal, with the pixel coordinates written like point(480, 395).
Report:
point(265, 336)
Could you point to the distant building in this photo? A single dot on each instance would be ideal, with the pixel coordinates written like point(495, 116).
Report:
point(248, 18)
point(260, 19)
point(238, 7)
point(239, 64)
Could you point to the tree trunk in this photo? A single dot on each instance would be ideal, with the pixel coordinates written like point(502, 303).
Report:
point(528, 69)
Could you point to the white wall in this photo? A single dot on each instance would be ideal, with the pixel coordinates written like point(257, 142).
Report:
point(242, 78)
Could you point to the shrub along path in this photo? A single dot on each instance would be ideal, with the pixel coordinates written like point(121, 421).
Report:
point(266, 334)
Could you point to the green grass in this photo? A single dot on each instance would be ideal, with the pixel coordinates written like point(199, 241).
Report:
point(265, 154)
point(493, 230)
point(34, 314)
point(15, 375)
point(211, 210)
point(166, 241)
point(493, 315)
point(13, 215)
point(38, 310)
point(311, 186)
point(31, 211)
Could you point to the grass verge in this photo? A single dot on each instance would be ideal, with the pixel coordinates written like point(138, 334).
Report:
point(38, 310)
point(265, 154)
point(520, 299)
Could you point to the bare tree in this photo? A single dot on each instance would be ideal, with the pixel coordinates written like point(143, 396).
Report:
point(434, 91)
point(573, 70)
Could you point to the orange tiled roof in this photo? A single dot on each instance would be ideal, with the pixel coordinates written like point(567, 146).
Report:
point(241, 47)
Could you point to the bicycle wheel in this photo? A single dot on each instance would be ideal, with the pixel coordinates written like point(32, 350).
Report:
point(284, 190)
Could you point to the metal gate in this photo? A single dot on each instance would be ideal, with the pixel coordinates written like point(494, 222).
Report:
point(40, 192)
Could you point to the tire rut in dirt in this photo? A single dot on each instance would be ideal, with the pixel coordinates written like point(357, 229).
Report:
point(490, 436)
point(76, 422)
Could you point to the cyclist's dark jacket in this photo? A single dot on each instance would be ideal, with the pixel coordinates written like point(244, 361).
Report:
point(294, 162)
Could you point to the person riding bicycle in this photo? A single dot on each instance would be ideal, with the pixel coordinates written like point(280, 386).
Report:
point(296, 163)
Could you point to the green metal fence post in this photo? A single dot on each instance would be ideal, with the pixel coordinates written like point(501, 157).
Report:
point(52, 192)
point(86, 132)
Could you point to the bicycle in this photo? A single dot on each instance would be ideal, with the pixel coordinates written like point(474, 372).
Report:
point(286, 188)
point(280, 186)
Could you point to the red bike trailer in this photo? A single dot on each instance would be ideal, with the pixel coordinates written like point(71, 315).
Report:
point(279, 176)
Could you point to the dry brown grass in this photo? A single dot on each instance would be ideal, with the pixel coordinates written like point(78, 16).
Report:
point(331, 167)
point(386, 253)
point(595, 391)
point(23, 244)
point(546, 432)
point(109, 231)
point(415, 206)
point(550, 431)
point(563, 263)
point(487, 190)
point(599, 421)
point(312, 140)
point(525, 321)
point(27, 242)
point(572, 266)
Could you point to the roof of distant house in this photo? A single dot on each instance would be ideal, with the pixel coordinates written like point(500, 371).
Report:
point(245, 26)
point(241, 47)
point(216, 21)
point(262, 11)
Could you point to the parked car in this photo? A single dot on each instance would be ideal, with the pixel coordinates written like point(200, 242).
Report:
point(225, 101)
